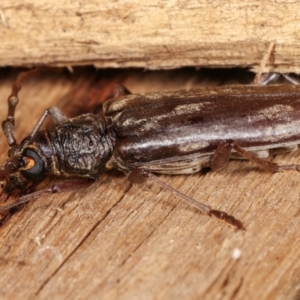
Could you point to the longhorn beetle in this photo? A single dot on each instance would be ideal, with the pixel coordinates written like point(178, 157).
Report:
point(177, 132)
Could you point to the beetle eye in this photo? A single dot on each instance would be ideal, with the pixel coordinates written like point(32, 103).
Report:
point(34, 168)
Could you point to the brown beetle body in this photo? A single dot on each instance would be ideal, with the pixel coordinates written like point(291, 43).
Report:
point(177, 132)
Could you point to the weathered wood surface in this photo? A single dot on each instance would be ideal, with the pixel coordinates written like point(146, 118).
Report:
point(118, 241)
point(160, 34)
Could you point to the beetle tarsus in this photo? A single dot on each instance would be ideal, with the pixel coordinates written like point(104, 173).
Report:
point(230, 220)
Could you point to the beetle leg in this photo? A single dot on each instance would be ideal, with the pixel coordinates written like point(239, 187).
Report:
point(291, 79)
point(223, 153)
point(140, 175)
point(221, 156)
point(56, 114)
point(267, 78)
point(267, 165)
point(120, 90)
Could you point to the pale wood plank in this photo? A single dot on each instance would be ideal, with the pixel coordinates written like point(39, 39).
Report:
point(154, 35)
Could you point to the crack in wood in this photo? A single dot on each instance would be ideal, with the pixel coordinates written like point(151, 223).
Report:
point(88, 234)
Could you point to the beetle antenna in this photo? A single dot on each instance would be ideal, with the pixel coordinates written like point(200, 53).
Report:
point(8, 125)
point(58, 187)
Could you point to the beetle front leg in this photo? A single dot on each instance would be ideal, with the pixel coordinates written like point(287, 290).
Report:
point(56, 114)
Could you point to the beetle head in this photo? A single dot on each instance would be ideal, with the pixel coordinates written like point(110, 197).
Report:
point(23, 168)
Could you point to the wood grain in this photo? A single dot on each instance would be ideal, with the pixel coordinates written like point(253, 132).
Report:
point(156, 35)
point(115, 240)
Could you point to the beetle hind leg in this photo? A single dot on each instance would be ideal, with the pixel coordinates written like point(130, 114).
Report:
point(223, 152)
point(267, 165)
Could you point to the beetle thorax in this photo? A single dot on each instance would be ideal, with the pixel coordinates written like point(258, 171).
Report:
point(81, 146)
